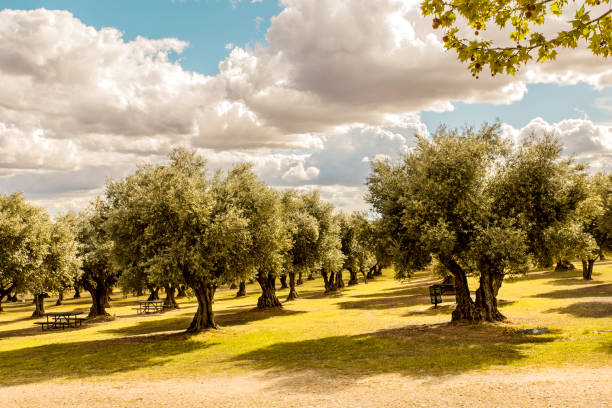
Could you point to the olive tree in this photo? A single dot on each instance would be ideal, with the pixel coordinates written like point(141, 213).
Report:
point(24, 240)
point(328, 247)
point(303, 228)
point(95, 249)
point(269, 237)
point(476, 205)
point(135, 202)
point(60, 266)
point(190, 232)
point(355, 240)
point(532, 29)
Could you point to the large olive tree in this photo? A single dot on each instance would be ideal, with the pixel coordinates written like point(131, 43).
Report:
point(475, 204)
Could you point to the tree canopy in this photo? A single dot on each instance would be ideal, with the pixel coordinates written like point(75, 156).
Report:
point(529, 29)
point(476, 205)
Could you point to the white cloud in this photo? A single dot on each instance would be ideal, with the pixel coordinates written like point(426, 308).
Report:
point(339, 84)
point(299, 173)
point(588, 142)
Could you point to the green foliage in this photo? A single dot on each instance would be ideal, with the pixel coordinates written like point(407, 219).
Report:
point(434, 200)
point(356, 244)
point(328, 247)
point(539, 191)
point(95, 247)
point(24, 245)
point(477, 206)
point(303, 228)
point(591, 24)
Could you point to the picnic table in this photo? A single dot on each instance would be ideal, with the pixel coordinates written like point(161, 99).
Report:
point(149, 306)
point(61, 320)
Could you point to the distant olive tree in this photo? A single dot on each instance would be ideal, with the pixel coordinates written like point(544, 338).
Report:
point(303, 228)
point(95, 248)
point(268, 235)
point(24, 244)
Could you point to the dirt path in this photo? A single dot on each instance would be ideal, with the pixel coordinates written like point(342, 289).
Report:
point(548, 388)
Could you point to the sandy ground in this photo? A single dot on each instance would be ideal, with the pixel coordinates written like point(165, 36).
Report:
point(547, 388)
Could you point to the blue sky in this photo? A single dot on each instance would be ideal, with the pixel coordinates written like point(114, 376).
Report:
point(208, 25)
point(310, 92)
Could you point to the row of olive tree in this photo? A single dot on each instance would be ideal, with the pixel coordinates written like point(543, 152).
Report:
point(483, 208)
point(179, 224)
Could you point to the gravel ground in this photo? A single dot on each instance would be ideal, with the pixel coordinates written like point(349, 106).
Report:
point(545, 388)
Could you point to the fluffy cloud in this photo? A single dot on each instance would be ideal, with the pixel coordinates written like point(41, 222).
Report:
point(587, 142)
point(339, 83)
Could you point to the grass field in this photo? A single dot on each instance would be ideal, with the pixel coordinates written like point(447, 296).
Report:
point(381, 332)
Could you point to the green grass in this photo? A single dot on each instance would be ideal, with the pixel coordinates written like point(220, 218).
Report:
point(382, 327)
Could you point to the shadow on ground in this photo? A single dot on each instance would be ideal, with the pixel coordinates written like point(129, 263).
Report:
point(386, 302)
point(589, 291)
point(418, 351)
point(225, 318)
point(79, 360)
point(586, 309)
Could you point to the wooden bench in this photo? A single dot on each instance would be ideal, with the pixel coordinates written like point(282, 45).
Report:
point(436, 291)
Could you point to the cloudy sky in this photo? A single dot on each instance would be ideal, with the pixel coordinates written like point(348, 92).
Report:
point(310, 91)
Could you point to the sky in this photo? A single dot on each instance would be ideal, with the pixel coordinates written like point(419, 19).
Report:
point(309, 91)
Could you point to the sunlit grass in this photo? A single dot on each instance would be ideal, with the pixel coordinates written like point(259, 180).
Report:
point(382, 327)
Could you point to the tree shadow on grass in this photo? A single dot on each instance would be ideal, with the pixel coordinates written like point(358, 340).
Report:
point(399, 291)
point(589, 291)
point(79, 360)
point(417, 351)
point(576, 280)
point(586, 309)
point(445, 309)
point(181, 323)
point(386, 302)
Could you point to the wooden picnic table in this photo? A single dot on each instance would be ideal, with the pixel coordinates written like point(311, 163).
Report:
point(150, 306)
point(57, 320)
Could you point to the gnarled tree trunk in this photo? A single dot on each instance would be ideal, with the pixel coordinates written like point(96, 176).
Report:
point(60, 298)
point(182, 292)
point(39, 303)
point(466, 310)
point(331, 284)
point(292, 292)
point(77, 289)
point(204, 317)
point(241, 289)
point(310, 276)
point(268, 298)
point(5, 292)
point(299, 279)
point(378, 270)
point(370, 274)
point(339, 280)
point(486, 295)
point(170, 301)
point(154, 293)
point(283, 281)
point(99, 299)
point(352, 277)
point(587, 269)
